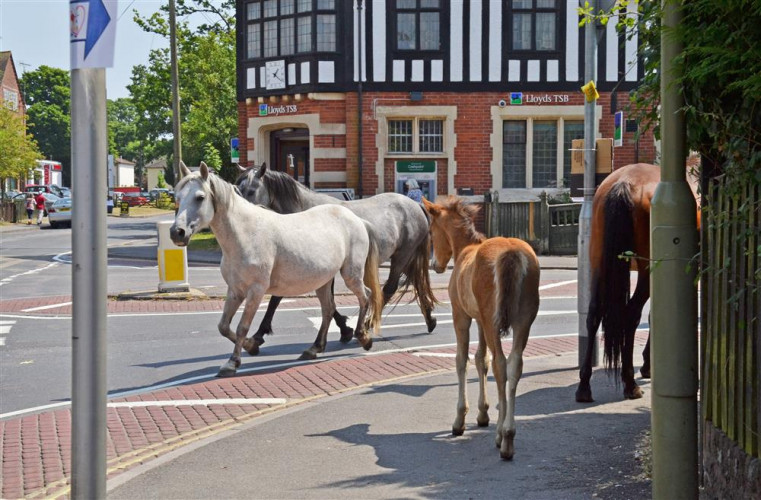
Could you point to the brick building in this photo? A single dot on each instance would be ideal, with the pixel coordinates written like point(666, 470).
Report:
point(465, 94)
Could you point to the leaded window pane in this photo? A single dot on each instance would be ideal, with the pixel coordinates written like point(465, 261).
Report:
point(514, 154)
point(429, 4)
point(571, 130)
point(304, 34)
point(405, 32)
point(405, 4)
point(286, 7)
point(545, 31)
point(545, 4)
point(326, 33)
point(522, 31)
point(304, 5)
point(429, 31)
point(522, 4)
point(270, 38)
point(253, 43)
point(254, 11)
point(286, 36)
point(400, 136)
point(270, 8)
point(326, 4)
point(431, 136)
point(545, 154)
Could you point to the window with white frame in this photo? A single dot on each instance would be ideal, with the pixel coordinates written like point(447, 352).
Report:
point(534, 24)
point(530, 154)
point(415, 135)
point(10, 99)
point(286, 27)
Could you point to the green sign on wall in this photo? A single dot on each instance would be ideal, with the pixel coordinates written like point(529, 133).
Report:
point(415, 166)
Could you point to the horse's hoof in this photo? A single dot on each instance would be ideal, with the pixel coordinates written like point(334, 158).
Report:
point(367, 344)
point(507, 450)
point(252, 345)
point(307, 355)
point(645, 372)
point(431, 324)
point(634, 393)
point(346, 335)
point(584, 396)
point(482, 421)
point(458, 431)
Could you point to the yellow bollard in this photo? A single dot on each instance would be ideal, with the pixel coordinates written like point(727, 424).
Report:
point(173, 262)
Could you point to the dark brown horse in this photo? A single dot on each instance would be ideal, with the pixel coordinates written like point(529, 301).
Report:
point(620, 224)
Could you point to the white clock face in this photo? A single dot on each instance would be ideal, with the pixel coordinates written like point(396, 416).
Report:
point(274, 72)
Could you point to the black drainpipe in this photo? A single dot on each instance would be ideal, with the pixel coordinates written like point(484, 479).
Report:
point(359, 97)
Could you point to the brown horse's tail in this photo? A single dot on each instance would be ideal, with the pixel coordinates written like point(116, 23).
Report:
point(615, 281)
point(372, 281)
point(513, 268)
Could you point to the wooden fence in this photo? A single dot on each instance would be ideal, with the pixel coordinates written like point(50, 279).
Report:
point(731, 320)
point(550, 228)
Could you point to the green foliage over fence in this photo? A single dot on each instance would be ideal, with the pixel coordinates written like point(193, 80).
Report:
point(731, 321)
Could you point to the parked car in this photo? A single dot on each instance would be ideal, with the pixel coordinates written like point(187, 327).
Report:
point(60, 213)
point(155, 193)
point(9, 195)
point(134, 199)
point(45, 188)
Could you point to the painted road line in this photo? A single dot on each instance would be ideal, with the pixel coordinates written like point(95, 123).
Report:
point(554, 285)
point(44, 308)
point(200, 402)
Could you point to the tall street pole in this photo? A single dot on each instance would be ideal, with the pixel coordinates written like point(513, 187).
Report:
point(360, 44)
point(88, 238)
point(177, 151)
point(674, 306)
point(584, 273)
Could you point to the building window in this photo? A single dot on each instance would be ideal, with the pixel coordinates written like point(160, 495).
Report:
point(284, 27)
point(416, 135)
point(530, 154)
point(10, 99)
point(534, 24)
point(418, 25)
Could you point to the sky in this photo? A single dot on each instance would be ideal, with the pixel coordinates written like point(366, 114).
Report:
point(37, 33)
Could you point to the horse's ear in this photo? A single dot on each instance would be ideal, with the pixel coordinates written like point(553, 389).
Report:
point(431, 208)
point(184, 170)
point(262, 170)
point(204, 171)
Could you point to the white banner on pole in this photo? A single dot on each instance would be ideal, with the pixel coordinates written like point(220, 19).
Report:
point(93, 31)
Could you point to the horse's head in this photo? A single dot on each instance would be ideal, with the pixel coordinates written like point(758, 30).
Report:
point(195, 206)
point(451, 221)
point(250, 183)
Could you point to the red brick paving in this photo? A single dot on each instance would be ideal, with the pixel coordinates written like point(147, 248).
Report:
point(36, 450)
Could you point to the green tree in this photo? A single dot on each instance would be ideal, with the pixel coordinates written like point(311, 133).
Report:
point(207, 82)
point(18, 150)
point(48, 96)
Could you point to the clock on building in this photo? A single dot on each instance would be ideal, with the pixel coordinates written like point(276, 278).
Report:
point(274, 73)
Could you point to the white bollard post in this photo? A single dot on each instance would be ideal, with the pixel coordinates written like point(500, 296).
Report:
point(173, 262)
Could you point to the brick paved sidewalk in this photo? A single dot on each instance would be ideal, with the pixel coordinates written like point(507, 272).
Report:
point(36, 452)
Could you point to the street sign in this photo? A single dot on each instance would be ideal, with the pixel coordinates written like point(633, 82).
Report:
point(618, 129)
point(234, 151)
point(92, 28)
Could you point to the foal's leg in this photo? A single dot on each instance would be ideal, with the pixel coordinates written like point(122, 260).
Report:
point(354, 283)
point(633, 316)
point(462, 329)
point(253, 300)
point(514, 372)
point(328, 305)
point(483, 371)
point(645, 370)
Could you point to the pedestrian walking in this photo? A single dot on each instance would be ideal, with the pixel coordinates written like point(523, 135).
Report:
point(414, 191)
point(29, 209)
point(39, 200)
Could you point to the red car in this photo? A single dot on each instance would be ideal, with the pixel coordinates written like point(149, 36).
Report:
point(134, 199)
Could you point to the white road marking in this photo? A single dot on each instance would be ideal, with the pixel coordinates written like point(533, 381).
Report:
point(5, 328)
point(200, 402)
point(554, 285)
point(43, 308)
point(9, 279)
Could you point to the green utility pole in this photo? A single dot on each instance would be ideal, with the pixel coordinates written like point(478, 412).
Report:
point(674, 314)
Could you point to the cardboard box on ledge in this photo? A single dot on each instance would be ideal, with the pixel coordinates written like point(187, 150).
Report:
point(603, 164)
